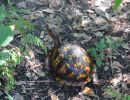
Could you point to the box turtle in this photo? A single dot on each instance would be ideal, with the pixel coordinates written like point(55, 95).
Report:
point(69, 63)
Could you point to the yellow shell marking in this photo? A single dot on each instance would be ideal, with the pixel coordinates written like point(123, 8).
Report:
point(67, 64)
point(59, 80)
point(57, 60)
point(54, 52)
point(72, 56)
point(71, 75)
point(87, 69)
point(66, 48)
point(82, 49)
point(82, 66)
point(86, 59)
point(81, 76)
point(77, 64)
point(62, 69)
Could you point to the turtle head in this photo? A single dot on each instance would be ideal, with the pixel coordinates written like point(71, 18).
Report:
point(54, 35)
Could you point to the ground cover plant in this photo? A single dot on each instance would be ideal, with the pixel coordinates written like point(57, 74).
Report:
point(103, 31)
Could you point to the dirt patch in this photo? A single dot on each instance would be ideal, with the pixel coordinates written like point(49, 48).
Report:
point(83, 22)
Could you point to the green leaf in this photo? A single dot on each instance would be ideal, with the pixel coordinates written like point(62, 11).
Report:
point(2, 62)
point(116, 4)
point(5, 55)
point(128, 97)
point(93, 52)
point(99, 61)
point(101, 56)
point(101, 45)
point(22, 25)
point(6, 35)
point(10, 97)
point(124, 97)
point(2, 13)
point(44, 48)
point(109, 40)
point(31, 39)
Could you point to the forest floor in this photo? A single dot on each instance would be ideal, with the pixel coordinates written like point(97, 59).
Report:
point(83, 22)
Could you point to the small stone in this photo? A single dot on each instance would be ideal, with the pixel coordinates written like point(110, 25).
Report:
point(110, 17)
point(22, 4)
point(100, 20)
point(90, 11)
point(85, 21)
point(99, 34)
point(100, 12)
point(18, 97)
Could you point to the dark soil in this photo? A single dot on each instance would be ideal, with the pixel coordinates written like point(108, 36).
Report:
point(34, 82)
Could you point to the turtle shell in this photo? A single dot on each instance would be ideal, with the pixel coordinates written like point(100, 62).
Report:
point(70, 64)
